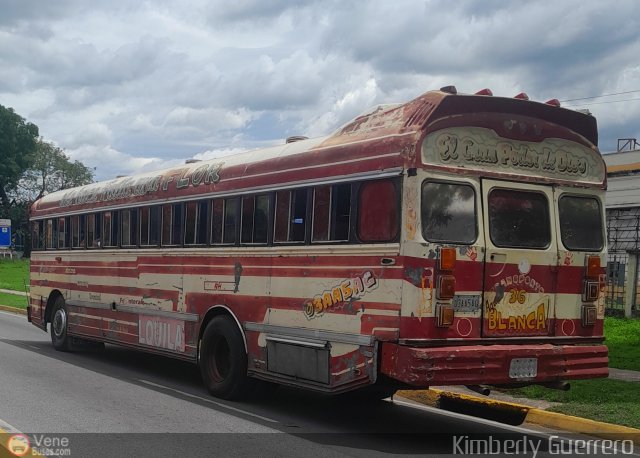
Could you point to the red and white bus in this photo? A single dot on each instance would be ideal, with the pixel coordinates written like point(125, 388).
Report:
point(451, 240)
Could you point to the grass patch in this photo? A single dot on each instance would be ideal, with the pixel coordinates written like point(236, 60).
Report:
point(14, 273)
point(623, 340)
point(610, 401)
point(12, 300)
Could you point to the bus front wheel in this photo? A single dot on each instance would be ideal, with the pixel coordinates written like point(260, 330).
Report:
point(223, 359)
point(59, 320)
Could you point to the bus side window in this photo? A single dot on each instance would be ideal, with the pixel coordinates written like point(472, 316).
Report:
point(129, 219)
point(52, 235)
point(94, 230)
point(63, 236)
point(224, 214)
point(378, 211)
point(172, 224)
point(291, 216)
point(217, 220)
point(331, 213)
point(149, 225)
point(448, 212)
point(254, 219)
point(230, 220)
point(196, 215)
point(37, 235)
point(110, 229)
point(77, 231)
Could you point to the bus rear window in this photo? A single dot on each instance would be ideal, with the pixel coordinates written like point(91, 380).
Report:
point(519, 219)
point(580, 223)
point(448, 213)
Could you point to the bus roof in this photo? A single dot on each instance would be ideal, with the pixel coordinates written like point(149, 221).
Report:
point(380, 142)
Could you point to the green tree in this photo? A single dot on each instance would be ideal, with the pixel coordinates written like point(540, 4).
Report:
point(17, 146)
point(52, 170)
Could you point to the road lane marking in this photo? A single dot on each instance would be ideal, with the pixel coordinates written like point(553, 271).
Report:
point(211, 401)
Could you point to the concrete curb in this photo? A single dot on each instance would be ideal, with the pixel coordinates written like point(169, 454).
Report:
point(440, 399)
point(15, 310)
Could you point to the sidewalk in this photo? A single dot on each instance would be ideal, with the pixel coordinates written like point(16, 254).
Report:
point(10, 291)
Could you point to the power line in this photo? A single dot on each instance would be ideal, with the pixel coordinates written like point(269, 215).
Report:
point(601, 103)
point(598, 96)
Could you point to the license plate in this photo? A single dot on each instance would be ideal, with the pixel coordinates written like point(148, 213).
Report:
point(523, 368)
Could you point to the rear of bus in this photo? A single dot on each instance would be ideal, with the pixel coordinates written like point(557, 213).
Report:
point(503, 248)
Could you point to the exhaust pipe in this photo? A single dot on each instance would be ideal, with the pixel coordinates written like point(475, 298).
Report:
point(562, 386)
point(480, 389)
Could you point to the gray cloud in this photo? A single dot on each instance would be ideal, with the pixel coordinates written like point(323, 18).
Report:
point(128, 85)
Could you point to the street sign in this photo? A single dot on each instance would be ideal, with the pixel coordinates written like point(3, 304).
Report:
point(5, 233)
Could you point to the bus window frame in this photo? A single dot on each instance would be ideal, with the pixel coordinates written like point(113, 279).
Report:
point(476, 193)
point(550, 222)
point(602, 215)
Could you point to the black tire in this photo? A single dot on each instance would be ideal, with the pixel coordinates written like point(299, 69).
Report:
point(223, 359)
point(59, 322)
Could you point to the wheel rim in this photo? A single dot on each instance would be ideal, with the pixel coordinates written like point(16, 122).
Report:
point(59, 322)
point(220, 360)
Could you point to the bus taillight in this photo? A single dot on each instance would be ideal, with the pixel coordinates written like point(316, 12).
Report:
point(444, 315)
point(590, 290)
point(446, 286)
point(447, 259)
point(593, 267)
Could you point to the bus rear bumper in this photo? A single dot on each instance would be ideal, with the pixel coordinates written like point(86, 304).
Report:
point(492, 364)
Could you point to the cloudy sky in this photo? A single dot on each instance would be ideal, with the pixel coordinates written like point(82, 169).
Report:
point(126, 86)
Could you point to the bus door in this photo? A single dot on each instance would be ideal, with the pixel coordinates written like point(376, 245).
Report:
point(521, 260)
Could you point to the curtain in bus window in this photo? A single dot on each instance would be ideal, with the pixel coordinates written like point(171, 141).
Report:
point(195, 223)
point(129, 227)
point(37, 236)
point(93, 238)
point(176, 229)
point(291, 216)
point(144, 226)
point(167, 217)
point(110, 229)
point(126, 228)
point(448, 212)
point(154, 225)
point(62, 233)
point(321, 213)
point(217, 220)
point(230, 219)
point(341, 211)
point(50, 243)
point(519, 219)
point(580, 223)
point(283, 205)
point(254, 219)
point(77, 231)
point(378, 212)
point(176, 225)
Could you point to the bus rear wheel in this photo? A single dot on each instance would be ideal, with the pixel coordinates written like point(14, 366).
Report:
point(59, 320)
point(223, 359)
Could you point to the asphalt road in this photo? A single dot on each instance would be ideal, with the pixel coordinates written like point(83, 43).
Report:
point(120, 402)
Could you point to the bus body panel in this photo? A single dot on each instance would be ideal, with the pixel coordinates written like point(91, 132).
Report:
point(336, 316)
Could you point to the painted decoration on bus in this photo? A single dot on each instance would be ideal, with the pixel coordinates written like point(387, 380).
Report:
point(341, 295)
point(128, 187)
point(517, 304)
point(481, 149)
point(165, 333)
